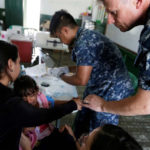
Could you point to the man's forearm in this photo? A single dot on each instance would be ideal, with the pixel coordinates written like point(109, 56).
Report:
point(135, 105)
point(74, 80)
point(81, 76)
point(72, 69)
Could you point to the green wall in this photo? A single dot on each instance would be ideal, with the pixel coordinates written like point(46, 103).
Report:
point(2, 16)
point(14, 12)
point(129, 58)
point(44, 17)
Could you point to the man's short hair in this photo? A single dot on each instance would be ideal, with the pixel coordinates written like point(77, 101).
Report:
point(60, 19)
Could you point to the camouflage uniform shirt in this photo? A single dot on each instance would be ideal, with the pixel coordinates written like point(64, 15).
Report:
point(143, 57)
point(109, 77)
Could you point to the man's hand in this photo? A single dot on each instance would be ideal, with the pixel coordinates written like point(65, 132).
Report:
point(94, 102)
point(57, 72)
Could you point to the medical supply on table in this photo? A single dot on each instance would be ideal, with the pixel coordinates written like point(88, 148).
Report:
point(45, 84)
point(44, 40)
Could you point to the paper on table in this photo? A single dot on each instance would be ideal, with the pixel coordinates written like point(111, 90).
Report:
point(36, 71)
point(57, 89)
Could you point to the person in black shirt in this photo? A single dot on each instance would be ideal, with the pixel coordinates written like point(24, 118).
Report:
point(15, 113)
point(107, 137)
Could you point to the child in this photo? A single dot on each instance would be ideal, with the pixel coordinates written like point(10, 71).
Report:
point(27, 88)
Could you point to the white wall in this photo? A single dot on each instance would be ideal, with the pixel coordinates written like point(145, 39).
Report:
point(74, 7)
point(129, 40)
point(2, 3)
point(31, 16)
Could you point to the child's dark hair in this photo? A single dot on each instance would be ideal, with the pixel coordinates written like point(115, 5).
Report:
point(111, 137)
point(60, 19)
point(7, 51)
point(25, 85)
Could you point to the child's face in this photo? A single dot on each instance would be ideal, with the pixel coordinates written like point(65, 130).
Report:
point(31, 99)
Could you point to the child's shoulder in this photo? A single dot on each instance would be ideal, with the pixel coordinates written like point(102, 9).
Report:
point(42, 100)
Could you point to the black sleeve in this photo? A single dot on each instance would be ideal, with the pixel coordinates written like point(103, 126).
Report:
point(26, 115)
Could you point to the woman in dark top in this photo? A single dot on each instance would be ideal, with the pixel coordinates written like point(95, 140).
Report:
point(16, 113)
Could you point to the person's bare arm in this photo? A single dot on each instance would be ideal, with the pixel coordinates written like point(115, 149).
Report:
point(70, 132)
point(72, 69)
point(134, 105)
point(81, 76)
point(25, 142)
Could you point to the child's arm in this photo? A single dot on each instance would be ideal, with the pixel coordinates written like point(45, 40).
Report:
point(28, 129)
point(25, 142)
point(53, 102)
point(69, 130)
point(59, 102)
point(73, 69)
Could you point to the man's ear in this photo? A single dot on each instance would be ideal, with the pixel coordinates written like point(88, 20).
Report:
point(138, 3)
point(10, 65)
point(65, 30)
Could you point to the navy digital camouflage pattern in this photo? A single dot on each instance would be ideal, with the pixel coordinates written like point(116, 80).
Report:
point(109, 78)
point(143, 57)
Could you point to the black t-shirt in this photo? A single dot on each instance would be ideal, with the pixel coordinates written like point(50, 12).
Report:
point(57, 141)
point(16, 114)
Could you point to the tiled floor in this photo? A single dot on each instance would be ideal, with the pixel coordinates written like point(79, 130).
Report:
point(138, 126)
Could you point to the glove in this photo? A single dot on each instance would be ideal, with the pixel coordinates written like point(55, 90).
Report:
point(59, 71)
point(64, 69)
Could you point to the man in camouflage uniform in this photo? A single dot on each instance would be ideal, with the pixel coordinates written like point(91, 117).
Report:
point(126, 14)
point(99, 66)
